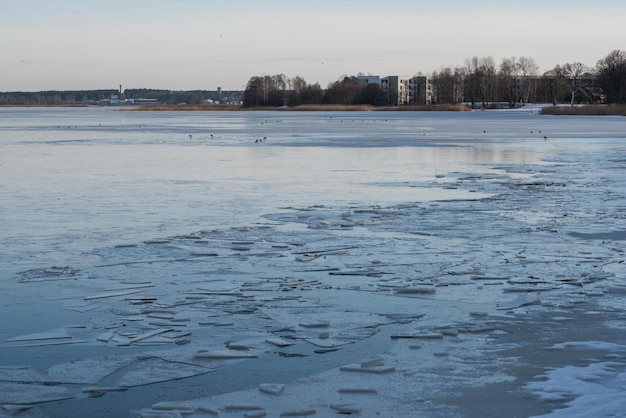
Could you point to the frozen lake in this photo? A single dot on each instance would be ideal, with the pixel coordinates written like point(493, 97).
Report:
point(369, 263)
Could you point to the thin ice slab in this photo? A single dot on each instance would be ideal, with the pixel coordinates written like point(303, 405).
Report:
point(223, 355)
point(154, 370)
point(20, 374)
point(54, 334)
point(279, 342)
point(114, 294)
point(97, 391)
point(52, 342)
point(182, 407)
point(87, 371)
point(327, 342)
point(373, 370)
point(272, 388)
point(25, 394)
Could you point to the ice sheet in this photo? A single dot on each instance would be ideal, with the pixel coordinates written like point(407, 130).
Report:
point(197, 271)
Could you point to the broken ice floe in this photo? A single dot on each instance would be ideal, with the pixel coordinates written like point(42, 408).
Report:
point(55, 334)
point(116, 293)
point(272, 388)
point(436, 262)
point(58, 336)
point(154, 370)
point(87, 371)
point(49, 274)
point(97, 391)
point(279, 342)
point(20, 374)
point(223, 355)
point(22, 393)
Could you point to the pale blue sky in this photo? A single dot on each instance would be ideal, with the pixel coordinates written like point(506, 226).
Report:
point(203, 44)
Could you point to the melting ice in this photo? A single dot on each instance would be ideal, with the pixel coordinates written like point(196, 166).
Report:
point(294, 264)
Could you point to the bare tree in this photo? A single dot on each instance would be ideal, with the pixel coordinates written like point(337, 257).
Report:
point(443, 86)
point(481, 80)
point(472, 80)
point(301, 93)
point(459, 85)
point(507, 83)
point(489, 80)
point(343, 91)
point(527, 68)
point(573, 72)
point(552, 81)
point(611, 74)
point(297, 84)
point(266, 91)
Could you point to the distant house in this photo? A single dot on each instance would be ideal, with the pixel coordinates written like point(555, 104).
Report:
point(420, 90)
point(397, 88)
point(146, 102)
point(368, 79)
point(402, 90)
point(114, 100)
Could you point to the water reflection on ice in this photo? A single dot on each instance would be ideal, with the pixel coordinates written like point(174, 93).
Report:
point(369, 263)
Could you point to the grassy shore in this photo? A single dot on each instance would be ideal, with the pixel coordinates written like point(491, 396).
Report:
point(595, 110)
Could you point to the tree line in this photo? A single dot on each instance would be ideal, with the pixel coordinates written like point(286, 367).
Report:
point(94, 97)
point(478, 82)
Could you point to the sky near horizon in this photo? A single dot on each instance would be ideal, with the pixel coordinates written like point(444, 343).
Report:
point(203, 44)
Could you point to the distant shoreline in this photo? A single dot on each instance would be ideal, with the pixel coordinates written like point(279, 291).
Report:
point(46, 105)
point(564, 110)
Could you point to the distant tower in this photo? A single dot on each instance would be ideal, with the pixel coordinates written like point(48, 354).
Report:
point(219, 92)
point(121, 94)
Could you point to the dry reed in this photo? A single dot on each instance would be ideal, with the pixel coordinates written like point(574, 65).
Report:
point(168, 108)
point(304, 108)
point(429, 108)
point(331, 108)
point(591, 110)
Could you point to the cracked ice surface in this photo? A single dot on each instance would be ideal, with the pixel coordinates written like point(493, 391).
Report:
point(380, 264)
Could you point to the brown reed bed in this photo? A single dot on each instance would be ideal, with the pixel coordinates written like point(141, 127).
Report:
point(585, 110)
point(429, 108)
point(179, 108)
point(368, 108)
point(331, 108)
point(302, 108)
